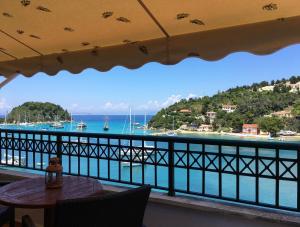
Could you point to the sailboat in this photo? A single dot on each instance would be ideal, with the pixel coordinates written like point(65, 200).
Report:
point(13, 161)
point(127, 153)
point(24, 123)
point(106, 127)
point(172, 133)
point(81, 125)
point(57, 124)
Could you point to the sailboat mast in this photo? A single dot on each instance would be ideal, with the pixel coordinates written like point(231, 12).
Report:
point(5, 121)
point(71, 123)
point(145, 123)
point(130, 123)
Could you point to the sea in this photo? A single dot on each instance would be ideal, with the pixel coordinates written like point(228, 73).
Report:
point(119, 124)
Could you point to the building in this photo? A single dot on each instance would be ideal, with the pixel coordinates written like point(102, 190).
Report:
point(284, 113)
point(211, 115)
point(294, 87)
point(266, 88)
point(185, 111)
point(205, 128)
point(252, 129)
point(229, 108)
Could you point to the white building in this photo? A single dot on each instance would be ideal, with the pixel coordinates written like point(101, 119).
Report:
point(211, 115)
point(205, 128)
point(229, 108)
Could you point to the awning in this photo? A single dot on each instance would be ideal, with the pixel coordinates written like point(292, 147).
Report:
point(53, 35)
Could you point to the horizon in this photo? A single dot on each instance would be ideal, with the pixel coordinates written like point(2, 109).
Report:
point(114, 92)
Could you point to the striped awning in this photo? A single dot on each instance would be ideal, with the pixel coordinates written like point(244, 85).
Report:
point(53, 35)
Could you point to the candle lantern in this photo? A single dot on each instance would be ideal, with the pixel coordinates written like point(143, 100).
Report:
point(53, 175)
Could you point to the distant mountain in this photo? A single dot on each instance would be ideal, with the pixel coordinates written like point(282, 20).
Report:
point(38, 112)
point(230, 109)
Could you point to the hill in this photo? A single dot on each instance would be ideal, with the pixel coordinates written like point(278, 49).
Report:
point(38, 112)
point(229, 110)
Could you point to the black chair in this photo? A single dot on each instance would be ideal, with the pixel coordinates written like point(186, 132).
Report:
point(113, 210)
point(6, 213)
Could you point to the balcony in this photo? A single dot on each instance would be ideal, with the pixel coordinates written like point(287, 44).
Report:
point(217, 181)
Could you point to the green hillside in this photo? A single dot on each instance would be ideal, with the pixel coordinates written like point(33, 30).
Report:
point(38, 112)
point(252, 104)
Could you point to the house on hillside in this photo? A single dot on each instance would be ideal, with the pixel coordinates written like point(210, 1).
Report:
point(229, 108)
point(211, 115)
point(185, 111)
point(252, 129)
point(284, 113)
point(294, 87)
point(266, 88)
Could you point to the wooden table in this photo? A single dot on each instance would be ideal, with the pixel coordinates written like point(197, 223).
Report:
point(32, 193)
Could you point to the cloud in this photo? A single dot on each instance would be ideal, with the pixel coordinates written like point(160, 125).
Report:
point(171, 100)
point(191, 96)
point(4, 106)
point(154, 105)
point(110, 107)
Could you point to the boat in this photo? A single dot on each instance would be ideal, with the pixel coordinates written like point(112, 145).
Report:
point(24, 123)
point(57, 124)
point(81, 125)
point(17, 160)
point(40, 163)
point(287, 133)
point(133, 164)
point(106, 127)
point(172, 133)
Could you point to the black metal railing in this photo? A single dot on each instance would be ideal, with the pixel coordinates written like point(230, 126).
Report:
point(251, 172)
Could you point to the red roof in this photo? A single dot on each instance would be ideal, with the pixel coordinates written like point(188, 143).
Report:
point(250, 126)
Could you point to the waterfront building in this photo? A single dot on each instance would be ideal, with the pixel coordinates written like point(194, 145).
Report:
point(205, 128)
point(252, 129)
point(211, 115)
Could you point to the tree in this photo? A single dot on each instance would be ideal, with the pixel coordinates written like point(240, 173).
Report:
point(296, 109)
point(271, 124)
point(38, 112)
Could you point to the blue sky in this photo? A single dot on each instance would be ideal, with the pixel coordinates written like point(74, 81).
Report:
point(151, 87)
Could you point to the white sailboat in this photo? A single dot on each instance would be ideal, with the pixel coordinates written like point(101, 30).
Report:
point(81, 125)
point(17, 160)
point(122, 153)
point(172, 133)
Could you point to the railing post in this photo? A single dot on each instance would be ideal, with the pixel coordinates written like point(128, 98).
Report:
point(171, 191)
point(298, 180)
point(59, 147)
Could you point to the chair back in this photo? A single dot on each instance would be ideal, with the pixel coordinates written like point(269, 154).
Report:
point(113, 210)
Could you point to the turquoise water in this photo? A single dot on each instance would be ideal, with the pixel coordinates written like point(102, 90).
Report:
point(120, 125)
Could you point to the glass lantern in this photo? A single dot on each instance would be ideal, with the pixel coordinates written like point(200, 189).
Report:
point(53, 174)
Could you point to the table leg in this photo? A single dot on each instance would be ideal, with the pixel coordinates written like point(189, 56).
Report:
point(49, 215)
point(12, 217)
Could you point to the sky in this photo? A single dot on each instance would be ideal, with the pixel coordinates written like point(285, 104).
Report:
point(150, 87)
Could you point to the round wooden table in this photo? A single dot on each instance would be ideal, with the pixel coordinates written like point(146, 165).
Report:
point(32, 193)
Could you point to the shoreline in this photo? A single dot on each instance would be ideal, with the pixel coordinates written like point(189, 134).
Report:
point(238, 135)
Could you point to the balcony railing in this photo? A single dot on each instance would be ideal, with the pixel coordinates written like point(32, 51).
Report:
point(252, 172)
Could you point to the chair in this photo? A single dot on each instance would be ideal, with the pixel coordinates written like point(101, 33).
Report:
point(6, 213)
point(112, 210)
